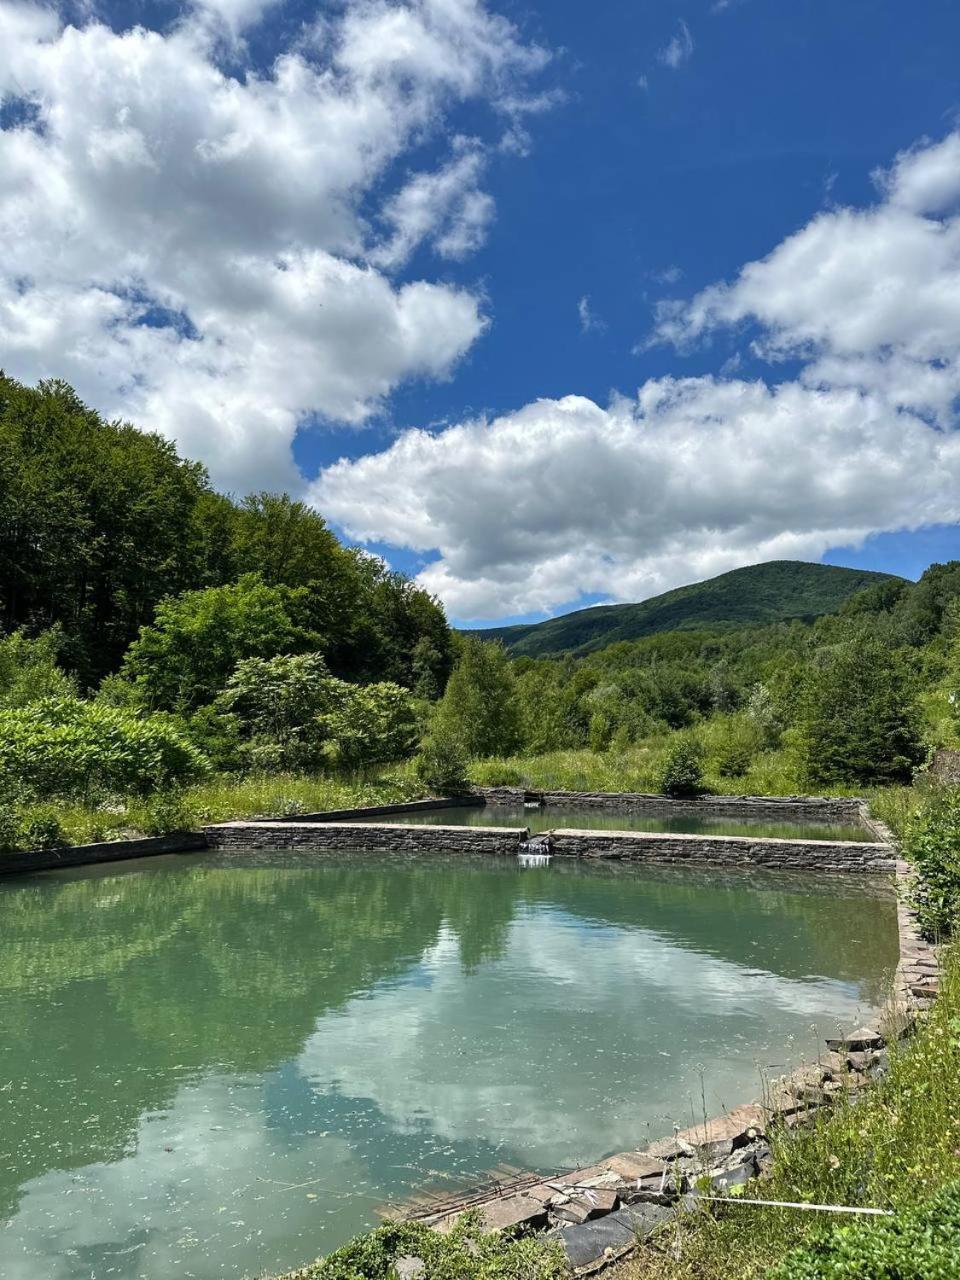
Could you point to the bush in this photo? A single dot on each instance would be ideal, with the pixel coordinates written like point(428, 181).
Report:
point(370, 724)
point(441, 763)
point(41, 829)
point(731, 743)
point(932, 844)
point(920, 1243)
point(682, 771)
point(65, 747)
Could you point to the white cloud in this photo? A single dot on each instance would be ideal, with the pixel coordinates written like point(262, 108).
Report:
point(194, 249)
point(678, 49)
point(699, 475)
point(589, 320)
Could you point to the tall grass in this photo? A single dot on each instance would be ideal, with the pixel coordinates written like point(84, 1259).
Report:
point(637, 768)
point(224, 797)
point(900, 1143)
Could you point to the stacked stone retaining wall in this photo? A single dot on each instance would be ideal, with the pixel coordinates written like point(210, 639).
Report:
point(785, 808)
point(366, 837)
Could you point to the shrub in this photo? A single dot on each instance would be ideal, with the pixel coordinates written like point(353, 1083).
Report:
point(370, 724)
point(62, 746)
point(681, 773)
point(920, 1243)
point(932, 844)
point(731, 743)
point(441, 763)
point(40, 829)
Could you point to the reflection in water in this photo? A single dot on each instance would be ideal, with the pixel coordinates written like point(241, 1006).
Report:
point(212, 1066)
point(553, 818)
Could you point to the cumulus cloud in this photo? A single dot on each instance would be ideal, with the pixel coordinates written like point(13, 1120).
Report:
point(678, 49)
point(695, 476)
point(207, 250)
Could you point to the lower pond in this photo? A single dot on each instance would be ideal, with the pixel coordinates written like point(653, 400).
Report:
point(589, 819)
point(216, 1065)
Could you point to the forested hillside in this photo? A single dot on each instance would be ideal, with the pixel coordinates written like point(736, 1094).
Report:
point(778, 591)
point(99, 522)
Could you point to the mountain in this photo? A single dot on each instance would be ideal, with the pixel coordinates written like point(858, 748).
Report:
point(777, 591)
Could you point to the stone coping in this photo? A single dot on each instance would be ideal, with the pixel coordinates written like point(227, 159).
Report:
point(80, 855)
point(826, 807)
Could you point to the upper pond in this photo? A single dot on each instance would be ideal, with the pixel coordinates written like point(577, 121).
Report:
point(213, 1065)
point(555, 817)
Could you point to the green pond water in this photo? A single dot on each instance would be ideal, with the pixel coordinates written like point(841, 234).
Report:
point(212, 1065)
point(553, 818)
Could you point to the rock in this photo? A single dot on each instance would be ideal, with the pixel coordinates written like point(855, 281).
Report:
point(735, 1127)
point(634, 1165)
point(543, 1192)
point(738, 1176)
point(862, 1038)
point(504, 1213)
point(579, 1176)
point(590, 1242)
point(669, 1149)
point(574, 1210)
point(408, 1267)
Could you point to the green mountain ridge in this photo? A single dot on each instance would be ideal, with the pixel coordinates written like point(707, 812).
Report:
point(776, 591)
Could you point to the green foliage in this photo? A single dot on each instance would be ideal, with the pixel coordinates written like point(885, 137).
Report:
point(920, 1243)
point(29, 670)
point(932, 844)
point(71, 748)
point(761, 593)
point(290, 713)
point(681, 773)
point(185, 658)
point(731, 743)
point(370, 724)
point(860, 722)
point(465, 1253)
point(480, 708)
point(275, 705)
point(442, 763)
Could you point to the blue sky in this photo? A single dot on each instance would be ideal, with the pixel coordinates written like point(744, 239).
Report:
point(528, 202)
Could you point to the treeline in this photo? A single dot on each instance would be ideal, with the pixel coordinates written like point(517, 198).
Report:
point(100, 522)
point(853, 697)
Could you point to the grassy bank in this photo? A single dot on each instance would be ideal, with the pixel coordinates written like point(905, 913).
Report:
point(218, 799)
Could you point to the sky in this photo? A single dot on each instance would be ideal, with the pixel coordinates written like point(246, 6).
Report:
point(548, 304)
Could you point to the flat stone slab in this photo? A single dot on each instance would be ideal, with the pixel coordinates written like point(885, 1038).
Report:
point(635, 1165)
point(736, 1126)
point(585, 1244)
point(503, 1214)
point(862, 1038)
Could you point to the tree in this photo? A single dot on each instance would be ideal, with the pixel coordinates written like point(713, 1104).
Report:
point(859, 721)
point(183, 661)
point(276, 704)
point(480, 709)
point(370, 724)
point(681, 773)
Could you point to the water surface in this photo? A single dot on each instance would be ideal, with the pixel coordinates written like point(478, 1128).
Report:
point(212, 1065)
point(556, 817)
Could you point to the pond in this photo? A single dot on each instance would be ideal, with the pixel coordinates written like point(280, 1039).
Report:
point(212, 1065)
point(589, 819)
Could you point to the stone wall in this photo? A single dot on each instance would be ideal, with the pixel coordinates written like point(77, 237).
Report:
point(384, 810)
point(787, 808)
point(80, 855)
point(726, 851)
point(365, 837)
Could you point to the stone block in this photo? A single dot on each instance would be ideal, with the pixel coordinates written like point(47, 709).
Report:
point(634, 1165)
point(862, 1038)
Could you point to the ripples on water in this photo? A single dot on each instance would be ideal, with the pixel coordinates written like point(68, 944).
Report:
point(211, 1069)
